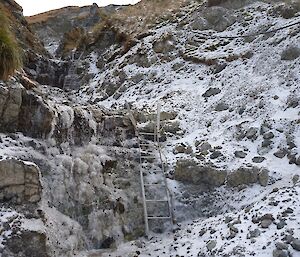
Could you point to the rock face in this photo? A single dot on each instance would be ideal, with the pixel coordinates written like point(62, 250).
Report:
point(36, 117)
point(88, 155)
point(61, 21)
point(19, 182)
point(10, 104)
point(24, 111)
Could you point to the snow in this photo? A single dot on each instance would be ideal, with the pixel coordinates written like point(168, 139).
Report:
point(189, 241)
point(261, 84)
point(6, 216)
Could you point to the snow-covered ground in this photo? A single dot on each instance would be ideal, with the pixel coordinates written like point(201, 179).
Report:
point(241, 96)
point(256, 88)
point(242, 233)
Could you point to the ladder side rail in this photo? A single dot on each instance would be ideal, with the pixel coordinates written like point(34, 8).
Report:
point(169, 197)
point(162, 163)
point(144, 197)
point(157, 129)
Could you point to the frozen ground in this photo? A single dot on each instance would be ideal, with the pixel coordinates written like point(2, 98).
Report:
point(255, 89)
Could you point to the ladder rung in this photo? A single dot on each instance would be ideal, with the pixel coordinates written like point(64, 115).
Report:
point(147, 152)
point(157, 201)
point(154, 185)
point(153, 218)
point(148, 157)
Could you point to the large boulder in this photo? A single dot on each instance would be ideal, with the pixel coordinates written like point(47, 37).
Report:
point(247, 176)
point(19, 182)
point(190, 171)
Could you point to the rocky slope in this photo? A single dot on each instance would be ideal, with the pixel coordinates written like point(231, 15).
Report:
point(227, 76)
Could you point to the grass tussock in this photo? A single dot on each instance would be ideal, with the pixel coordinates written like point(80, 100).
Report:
point(131, 22)
point(73, 39)
point(10, 54)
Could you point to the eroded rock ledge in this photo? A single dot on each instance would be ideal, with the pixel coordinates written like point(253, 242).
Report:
point(19, 182)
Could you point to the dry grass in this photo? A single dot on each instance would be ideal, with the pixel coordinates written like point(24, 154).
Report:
point(10, 53)
point(43, 17)
point(139, 18)
point(74, 39)
point(129, 23)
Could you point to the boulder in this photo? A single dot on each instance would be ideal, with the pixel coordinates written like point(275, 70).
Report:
point(24, 111)
point(252, 133)
point(19, 182)
point(190, 171)
point(268, 135)
point(211, 92)
point(221, 107)
point(258, 159)
point(211, 245)
point(280, 253)
point(240, 154)
point(215, 154)
point(182, 148)
point(265, 223)
point(280, 153)
point(203, 147)
point(290, 53)
point(281, 246)
point(254, 233)
point(296, 244)
point(243, 176)
point(263, 177)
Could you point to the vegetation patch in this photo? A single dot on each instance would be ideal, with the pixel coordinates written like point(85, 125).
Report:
point(10, 53)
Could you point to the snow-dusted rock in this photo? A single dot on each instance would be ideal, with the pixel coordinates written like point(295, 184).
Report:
point(19, 182)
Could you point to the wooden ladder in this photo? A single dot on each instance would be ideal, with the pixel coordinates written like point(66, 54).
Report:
point(149, 151)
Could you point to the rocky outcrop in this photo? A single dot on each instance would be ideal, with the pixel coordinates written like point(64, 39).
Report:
point(24, 111)
point(206, 176)
point(44, 70)
point(26, 244)
point(36, 116)
point(247, 176)
point(19, 182)
point(61, 21)
point(10, 104)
